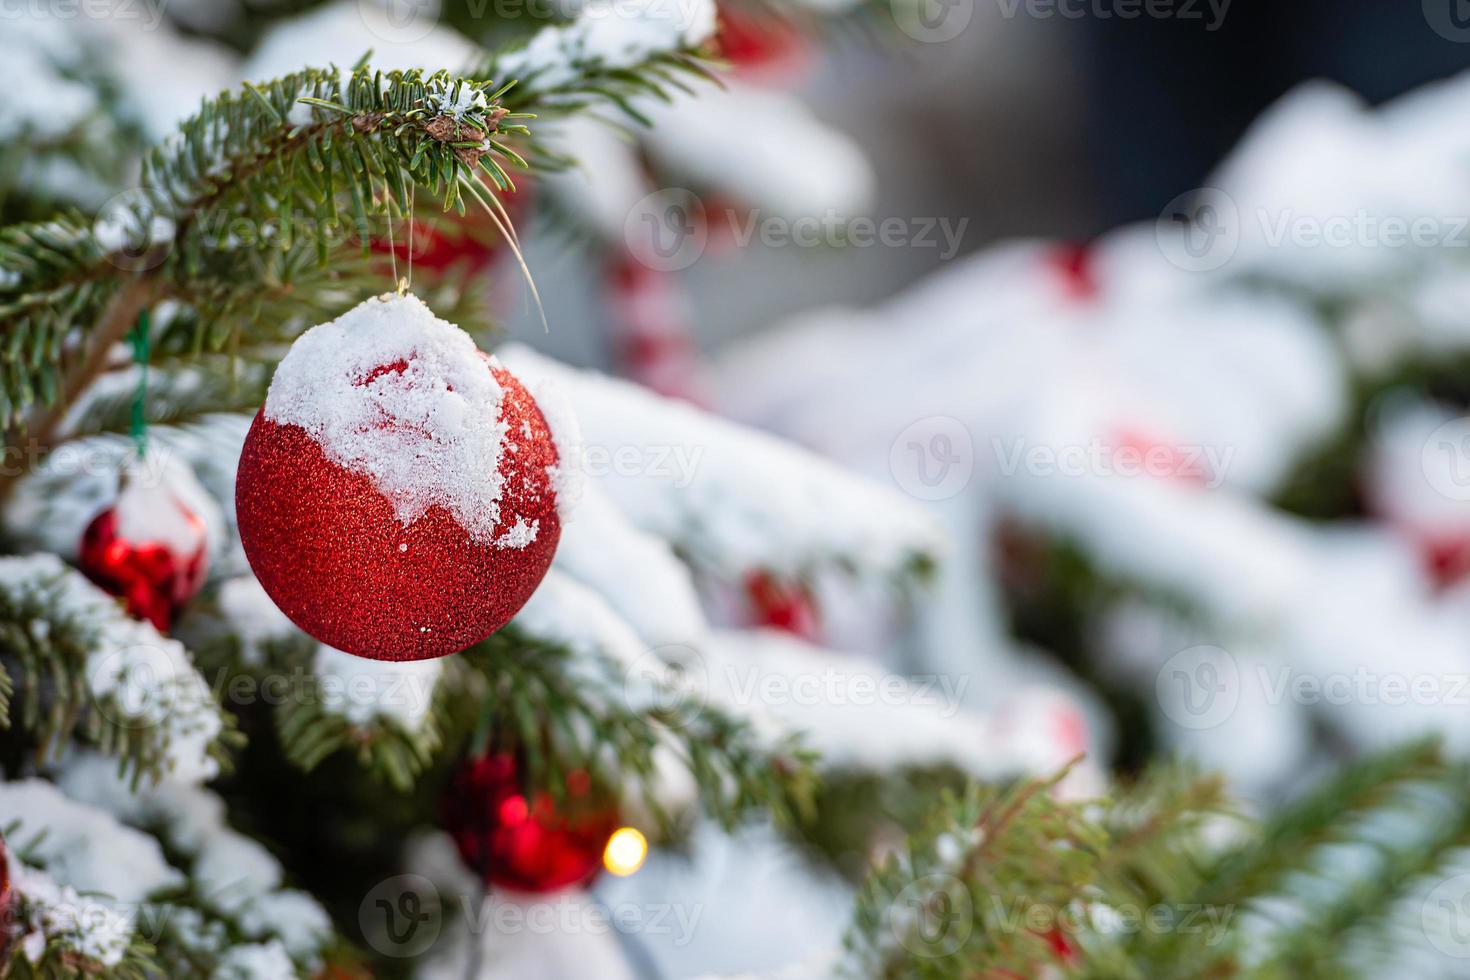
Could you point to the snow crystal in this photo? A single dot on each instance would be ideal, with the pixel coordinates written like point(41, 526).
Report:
point(519, 535)
point(361, 690)
point(393, 392)
point(468, 100)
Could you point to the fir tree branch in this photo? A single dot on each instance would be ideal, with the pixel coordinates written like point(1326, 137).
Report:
point(312, 145)
point(88, 671)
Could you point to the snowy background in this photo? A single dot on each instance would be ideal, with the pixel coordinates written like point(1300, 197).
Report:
point(1153, 338)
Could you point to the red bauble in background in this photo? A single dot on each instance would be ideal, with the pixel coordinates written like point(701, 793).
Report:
point(7, 905)
point(473, 241)
point(330, 541)
point(761, 46)
point(1075, 266)
point(149, 548)
point(783, 605)
point(527, 841)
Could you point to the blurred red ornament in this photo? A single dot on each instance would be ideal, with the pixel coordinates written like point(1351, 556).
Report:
point(331, 552)
point(527, 841)
point(1138, 451)
point(1076, 271)
point(783, 605)
point(765, 47)
point(148, 549)
point(1063, 946)
point(472, 241)
point(1446, 555)
point(7, 905)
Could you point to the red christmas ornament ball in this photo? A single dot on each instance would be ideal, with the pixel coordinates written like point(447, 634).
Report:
point(332, 552)
point(527, 841)
point(149, 549)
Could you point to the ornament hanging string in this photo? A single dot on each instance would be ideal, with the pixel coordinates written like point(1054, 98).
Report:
point(393, 251)
point(402, 285)
point(142, 342)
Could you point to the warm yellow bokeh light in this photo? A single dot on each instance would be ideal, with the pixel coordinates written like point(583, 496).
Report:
point(625, 852)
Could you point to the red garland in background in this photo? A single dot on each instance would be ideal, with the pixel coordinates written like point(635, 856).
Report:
point(651, 327)
point(396, 495)
point(527, 841)
point(1076, 269)
point(1446, 555)
point(7, 905)
point(783, 605)
point(149, 549)
point(763, 47)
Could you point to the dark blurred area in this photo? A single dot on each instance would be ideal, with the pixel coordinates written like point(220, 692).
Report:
point(1166, 98)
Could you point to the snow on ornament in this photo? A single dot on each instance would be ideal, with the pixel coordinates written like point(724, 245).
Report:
point(398, 493)
point(149, 548)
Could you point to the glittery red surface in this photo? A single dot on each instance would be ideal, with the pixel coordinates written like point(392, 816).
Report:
point(329, 550)
point(153, 582)
point(527, 842)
